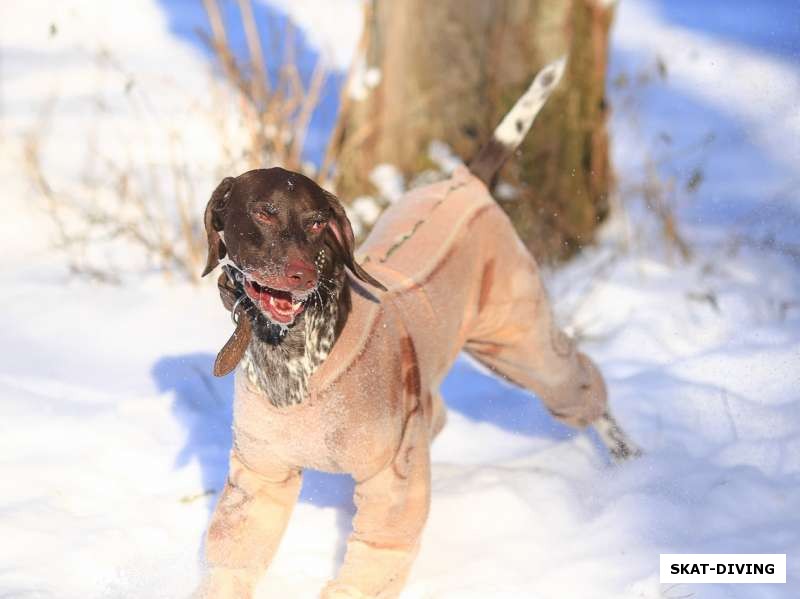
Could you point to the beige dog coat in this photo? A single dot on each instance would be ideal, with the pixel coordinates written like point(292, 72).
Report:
point(458, 278)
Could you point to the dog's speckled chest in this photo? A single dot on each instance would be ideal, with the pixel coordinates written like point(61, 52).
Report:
point(281, 370)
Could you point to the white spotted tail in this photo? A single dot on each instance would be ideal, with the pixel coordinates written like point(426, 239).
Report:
point(517, 122)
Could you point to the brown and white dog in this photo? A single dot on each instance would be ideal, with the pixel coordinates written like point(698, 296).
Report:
point(339, 372)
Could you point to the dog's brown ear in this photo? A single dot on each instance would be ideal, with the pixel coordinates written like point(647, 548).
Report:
point(213, 220)
point(343, 235)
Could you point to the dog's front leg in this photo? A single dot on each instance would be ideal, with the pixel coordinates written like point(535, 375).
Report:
point(392, 510)
point(245, 530)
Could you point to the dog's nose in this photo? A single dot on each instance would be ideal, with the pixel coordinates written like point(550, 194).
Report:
point(300, 276)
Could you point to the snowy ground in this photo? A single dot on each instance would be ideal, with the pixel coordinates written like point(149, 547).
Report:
point(114, 435)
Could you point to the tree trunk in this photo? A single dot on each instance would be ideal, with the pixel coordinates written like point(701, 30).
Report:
point(450, 69)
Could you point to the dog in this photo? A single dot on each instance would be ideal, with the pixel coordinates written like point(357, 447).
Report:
point(339, 358)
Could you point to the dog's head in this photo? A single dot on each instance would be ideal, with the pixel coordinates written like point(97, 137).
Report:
point(288, 236)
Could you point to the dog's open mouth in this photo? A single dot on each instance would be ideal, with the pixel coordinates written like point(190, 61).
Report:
point(280, 306)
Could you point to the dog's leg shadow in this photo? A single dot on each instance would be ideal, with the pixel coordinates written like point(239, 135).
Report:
point(203, 404)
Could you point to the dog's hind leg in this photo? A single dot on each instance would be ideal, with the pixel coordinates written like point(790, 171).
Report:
point(514, 334)
point(566, 380)
point(520, 342)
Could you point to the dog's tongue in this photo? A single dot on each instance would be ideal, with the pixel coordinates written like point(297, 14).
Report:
point(282, 304)
point(278, 300)
point(278, 305)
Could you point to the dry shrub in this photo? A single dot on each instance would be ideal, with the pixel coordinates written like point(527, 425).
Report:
point(126, 213)
point(277, 117)
point(116, 205)
point(662, 187)
point(659, 195)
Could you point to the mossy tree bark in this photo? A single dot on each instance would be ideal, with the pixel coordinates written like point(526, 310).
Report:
point(451, 69)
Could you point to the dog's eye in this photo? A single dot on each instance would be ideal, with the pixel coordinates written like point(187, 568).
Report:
point(265, 214)
point(317, 225)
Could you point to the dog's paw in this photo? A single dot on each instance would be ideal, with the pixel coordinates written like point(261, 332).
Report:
point(337, 590)
point(619, 445)
point(625, 452)
point(220, 583)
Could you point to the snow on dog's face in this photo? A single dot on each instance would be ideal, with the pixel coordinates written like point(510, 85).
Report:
point(287, 235)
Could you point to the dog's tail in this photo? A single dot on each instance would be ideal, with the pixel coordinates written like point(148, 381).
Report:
point(517, 122)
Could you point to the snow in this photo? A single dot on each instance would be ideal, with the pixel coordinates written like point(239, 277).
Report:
point(388, 180)
point(114, 434)
point(333, 27)
point(755, 87)
point(443, 157)
point(365, 210)
point(364, 79)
